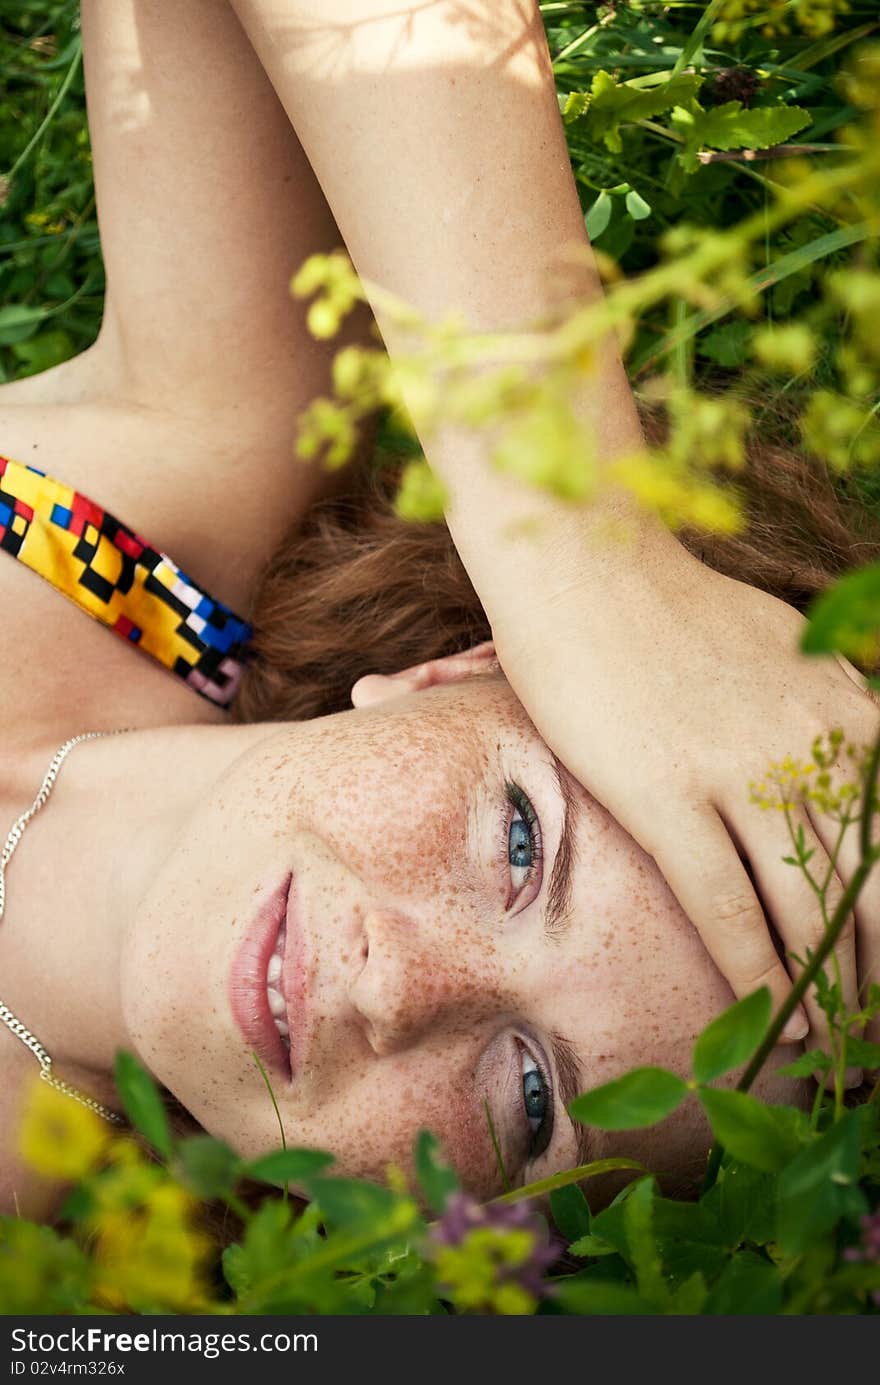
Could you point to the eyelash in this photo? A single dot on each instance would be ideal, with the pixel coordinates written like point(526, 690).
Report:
point(522, 805)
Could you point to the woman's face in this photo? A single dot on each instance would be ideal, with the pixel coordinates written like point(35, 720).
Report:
point(463, 928)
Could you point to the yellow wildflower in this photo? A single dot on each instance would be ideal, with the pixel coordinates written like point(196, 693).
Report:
point(58, 1137)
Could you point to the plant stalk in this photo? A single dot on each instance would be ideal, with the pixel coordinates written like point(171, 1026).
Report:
point(823, 951)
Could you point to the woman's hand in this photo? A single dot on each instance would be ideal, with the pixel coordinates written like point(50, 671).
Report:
point(666, 695)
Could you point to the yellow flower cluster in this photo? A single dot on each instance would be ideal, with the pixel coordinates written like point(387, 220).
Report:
point(777, 17)
point(148, 1252)
point(788, 782)
point(58, 1137)
point(476, 1272)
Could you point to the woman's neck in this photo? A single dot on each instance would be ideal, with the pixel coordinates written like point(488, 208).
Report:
point(78, 874)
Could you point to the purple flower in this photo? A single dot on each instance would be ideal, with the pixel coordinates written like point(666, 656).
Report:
point(515, 1238)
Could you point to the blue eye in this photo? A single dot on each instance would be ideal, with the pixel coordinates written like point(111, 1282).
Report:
point(538, 1103)
point(524, 851)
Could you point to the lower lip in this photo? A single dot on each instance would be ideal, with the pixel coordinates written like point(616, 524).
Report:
point(247, 982)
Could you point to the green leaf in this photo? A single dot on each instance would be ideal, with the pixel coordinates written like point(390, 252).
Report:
point(732, 126)
point(727, 345)
point(208, 1167)
point(745, 1203)
point(288, 1166)
point(41, 1270)
point(640, 1098)
point(354, 1204)
point(845, 619)
point(732, 1038)
point(18, 322)
point(636, 205)
point(644, 1255)
point(598, 1298)
point(575, 105)
point(593, 1246)
point(861, 1054)
point(235, 1270)
point(808, 1063)
point(43, 351)
point(598, 216)
point(747, 1284)
point(766, 1137)
point(817, 1187)
point(142, 1102)
point(437, 1179)
point(571, 1212)
point(612, 103)
point(689, 1297)
point(266, 1247)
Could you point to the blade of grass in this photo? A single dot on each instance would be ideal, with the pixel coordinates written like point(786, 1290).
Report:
point(567, 1177)
point(49, 116)
point(825, 48)
point(695, 39)
point(265, 1077)
point(760, 281)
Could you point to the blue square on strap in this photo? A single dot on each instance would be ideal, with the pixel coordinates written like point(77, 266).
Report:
point(61, 516)
point(5, 514)
point(205, 607)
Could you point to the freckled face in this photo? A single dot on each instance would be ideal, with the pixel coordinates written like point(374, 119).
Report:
point(423, 840)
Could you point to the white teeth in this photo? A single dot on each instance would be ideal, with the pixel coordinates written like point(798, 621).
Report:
point(283, 1028)
point(274, 972)
point(276, 1003)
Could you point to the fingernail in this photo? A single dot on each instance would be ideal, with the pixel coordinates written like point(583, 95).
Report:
point(852, 1078)
point(797, 1027)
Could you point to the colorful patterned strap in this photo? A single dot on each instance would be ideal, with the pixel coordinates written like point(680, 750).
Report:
point(118, 579)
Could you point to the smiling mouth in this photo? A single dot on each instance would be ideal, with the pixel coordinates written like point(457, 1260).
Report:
point(257, 987)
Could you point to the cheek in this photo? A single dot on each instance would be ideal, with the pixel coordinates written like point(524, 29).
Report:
point(639, 984)
point(390, 797)
point(375, 1120)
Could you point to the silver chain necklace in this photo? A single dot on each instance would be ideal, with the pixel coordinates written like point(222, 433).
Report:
point(9, 1019)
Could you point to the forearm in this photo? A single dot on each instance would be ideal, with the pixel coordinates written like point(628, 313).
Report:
point(439, 146)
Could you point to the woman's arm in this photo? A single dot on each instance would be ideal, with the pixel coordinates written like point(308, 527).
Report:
point(434, 129)
point(181, 418)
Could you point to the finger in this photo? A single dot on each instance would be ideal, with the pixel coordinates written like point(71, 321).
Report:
point(374, 688)
point(867, 906)
point(714, 889)
point(795, 909)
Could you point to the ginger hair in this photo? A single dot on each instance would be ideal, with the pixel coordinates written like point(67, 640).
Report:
point(358, 590)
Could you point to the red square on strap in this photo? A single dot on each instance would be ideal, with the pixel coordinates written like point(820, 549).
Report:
point(129, 544)
point(123, 626)
point(24, 510)
point(84, 512)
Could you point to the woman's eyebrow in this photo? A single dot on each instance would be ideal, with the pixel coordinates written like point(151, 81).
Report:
point(556, 915)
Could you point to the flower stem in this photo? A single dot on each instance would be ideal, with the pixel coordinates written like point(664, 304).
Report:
point(867, 857)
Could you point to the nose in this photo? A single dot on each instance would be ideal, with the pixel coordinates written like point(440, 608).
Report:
point(414, 982)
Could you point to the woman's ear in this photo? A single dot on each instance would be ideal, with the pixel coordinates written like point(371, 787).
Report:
point(380, 687)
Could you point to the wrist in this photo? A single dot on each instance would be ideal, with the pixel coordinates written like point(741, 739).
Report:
point(584, 578)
